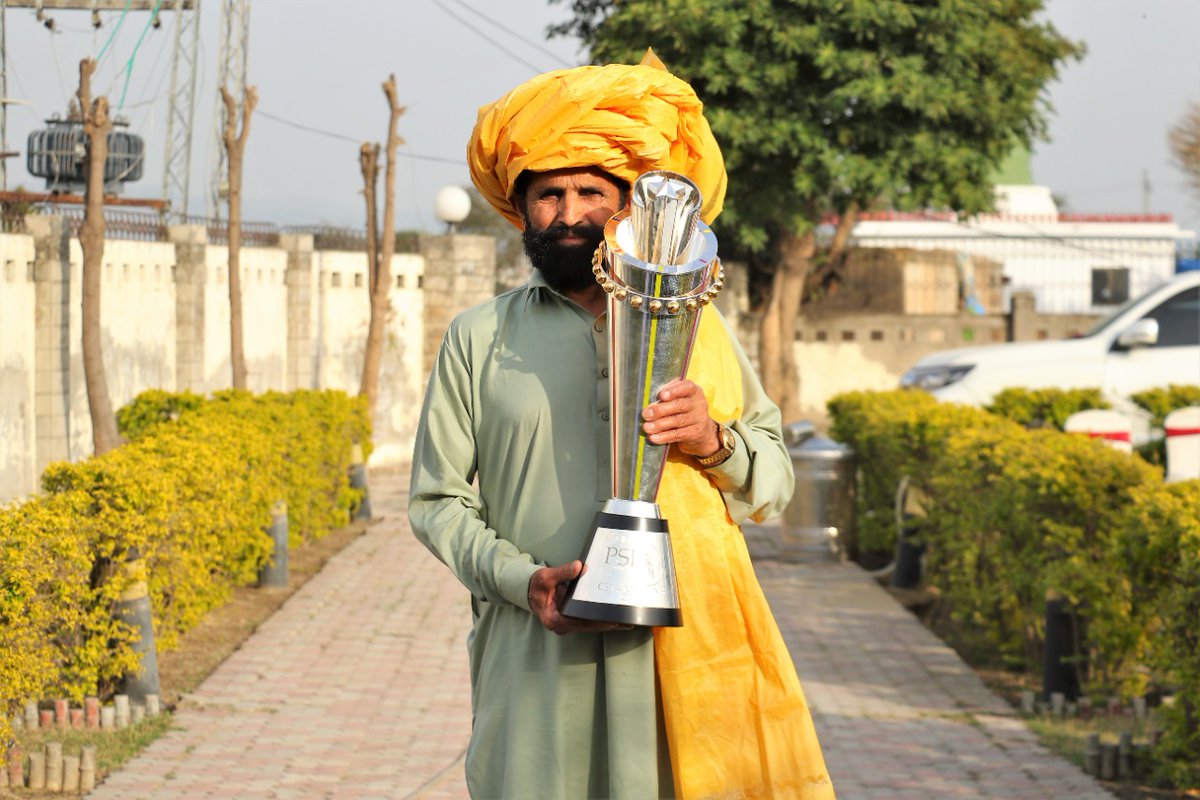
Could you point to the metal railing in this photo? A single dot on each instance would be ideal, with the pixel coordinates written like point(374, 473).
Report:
point(329, 237)
point(12, 221)
point(119, 224)
point(152, 226)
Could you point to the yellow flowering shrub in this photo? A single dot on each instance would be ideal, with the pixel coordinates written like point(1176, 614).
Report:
point(192, 494)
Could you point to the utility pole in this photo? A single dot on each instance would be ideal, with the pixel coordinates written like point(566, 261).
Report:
point(94, 6)
point(3, 98)
point(177, 159)
point(1146, 189)
point(231, 75)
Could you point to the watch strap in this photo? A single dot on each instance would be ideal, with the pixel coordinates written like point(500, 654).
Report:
point(728, 445)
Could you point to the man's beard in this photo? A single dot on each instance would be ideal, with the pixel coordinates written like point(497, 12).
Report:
point(566, 267)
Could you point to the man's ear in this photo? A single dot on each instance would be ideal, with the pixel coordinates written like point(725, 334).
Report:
point(518, 201)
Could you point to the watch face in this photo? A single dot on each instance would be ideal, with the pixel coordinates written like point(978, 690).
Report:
point(728, 443)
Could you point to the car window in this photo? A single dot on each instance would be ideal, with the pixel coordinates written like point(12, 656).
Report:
point(1178, 319)
point(1113, 316)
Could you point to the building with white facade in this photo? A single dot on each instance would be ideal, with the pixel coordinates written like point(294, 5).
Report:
point(1073, 263)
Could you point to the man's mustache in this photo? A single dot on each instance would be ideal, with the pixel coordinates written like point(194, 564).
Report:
point(580, 230)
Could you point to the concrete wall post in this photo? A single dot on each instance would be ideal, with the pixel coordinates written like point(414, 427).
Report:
point(299, 279)
point(191, 274)
point(460, 272)
point(52, 353)
point(1022, 320)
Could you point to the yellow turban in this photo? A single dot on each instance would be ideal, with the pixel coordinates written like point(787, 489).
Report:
point(623, 119)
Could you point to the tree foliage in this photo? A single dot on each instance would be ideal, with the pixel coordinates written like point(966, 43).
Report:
point(1184, 139)
point(821, 103)
point(830, 106)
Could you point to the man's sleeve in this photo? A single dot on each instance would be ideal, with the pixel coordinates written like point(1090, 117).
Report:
point(444, 507)
point(757, 480)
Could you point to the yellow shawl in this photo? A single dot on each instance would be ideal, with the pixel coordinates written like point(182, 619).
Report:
point(736, 720)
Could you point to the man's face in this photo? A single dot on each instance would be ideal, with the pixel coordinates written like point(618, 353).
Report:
point(565, 212)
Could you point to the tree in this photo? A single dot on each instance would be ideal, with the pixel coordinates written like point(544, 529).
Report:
point(1184, 138)
point(828, 106)
point(96, 127)
point(235, 149)
point(381, 244)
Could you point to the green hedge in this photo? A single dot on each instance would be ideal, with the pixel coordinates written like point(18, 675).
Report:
point(1014, 514)
point(1160, 541)
point(1160, 402)
point(192, 492)
point(1044, 408)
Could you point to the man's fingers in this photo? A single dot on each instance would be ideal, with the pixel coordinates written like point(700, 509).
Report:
point(566, 572)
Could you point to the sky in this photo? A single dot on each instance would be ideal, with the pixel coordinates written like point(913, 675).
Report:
point(319, 65)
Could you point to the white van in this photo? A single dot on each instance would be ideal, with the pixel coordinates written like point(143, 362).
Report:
point(1150, 341)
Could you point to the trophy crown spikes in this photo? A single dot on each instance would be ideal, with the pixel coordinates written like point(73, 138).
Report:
point(664, 211)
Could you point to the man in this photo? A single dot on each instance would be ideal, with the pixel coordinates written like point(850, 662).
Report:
point(511, 464)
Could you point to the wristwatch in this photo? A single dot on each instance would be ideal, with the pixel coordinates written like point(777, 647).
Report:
point(728, 445)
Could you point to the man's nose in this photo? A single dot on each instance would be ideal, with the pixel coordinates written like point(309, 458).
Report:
point(570, 210)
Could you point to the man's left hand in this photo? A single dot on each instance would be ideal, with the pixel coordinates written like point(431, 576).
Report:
point(680, 417)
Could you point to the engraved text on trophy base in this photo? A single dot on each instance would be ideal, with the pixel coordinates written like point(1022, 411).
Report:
point(627, 568)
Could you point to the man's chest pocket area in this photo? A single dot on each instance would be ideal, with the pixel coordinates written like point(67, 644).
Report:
point(532, 397)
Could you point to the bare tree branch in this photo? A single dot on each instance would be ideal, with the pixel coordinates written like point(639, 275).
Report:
point(1184, 139)
point(381, 245)
point(235, 149)
point(96, 127)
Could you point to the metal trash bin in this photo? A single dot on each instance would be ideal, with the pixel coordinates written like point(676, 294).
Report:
point(797, 433)
point(819, 521)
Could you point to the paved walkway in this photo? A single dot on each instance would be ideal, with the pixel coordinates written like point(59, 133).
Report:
point(357, 688)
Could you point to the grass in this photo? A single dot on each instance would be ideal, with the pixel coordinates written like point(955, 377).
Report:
point(113, 748)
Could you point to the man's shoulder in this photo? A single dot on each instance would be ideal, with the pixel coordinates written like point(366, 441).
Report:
point(484, 317)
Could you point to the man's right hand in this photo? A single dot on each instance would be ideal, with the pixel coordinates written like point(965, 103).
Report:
point(548, 589)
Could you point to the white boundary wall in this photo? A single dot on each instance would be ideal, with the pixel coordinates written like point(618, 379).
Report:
point(43, 400)
point(17, 354)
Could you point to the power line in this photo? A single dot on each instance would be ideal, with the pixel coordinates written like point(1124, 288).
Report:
point(344, 138)
point(511, 32)
point(133, 55)
point(488, 39)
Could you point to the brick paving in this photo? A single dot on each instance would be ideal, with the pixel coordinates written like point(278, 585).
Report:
point(357, 688)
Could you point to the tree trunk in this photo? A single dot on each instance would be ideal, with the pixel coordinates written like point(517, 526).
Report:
point(96, 126)
point(380, 246)
point(776, 352)
point(235, 148)
point(368, 161)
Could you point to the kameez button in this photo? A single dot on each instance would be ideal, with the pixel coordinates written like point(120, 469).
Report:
point(604, 416)
point(604, 372)
point(598, 326)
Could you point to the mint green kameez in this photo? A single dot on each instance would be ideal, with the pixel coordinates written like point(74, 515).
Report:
point(510, 467)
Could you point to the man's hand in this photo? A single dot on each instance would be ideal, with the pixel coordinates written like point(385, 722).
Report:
point(680, 417)
point(548, 589)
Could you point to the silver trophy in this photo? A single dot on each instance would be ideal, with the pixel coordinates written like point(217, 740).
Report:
point(658, 264)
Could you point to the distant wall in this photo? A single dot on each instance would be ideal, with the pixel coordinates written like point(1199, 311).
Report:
point(165, 324)
point(19, 404)
point(840, 352)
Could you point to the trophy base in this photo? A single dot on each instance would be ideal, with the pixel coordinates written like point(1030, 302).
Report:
point(629, 573)
point(624, 615)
